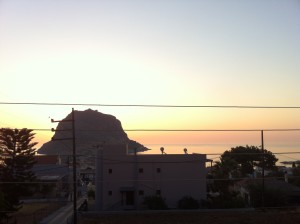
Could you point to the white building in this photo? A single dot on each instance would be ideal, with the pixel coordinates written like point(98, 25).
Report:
point(123, 179)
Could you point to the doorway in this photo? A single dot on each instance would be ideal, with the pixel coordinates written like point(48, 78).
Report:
point(128, 200)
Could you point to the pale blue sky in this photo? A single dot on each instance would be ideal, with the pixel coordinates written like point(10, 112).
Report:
point(201, 47)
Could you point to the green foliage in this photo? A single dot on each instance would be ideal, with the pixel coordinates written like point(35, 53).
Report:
point(295, 179)
point(155, 203)
point(91, 194)
point(46, 189)
point(237, 163)
point(272, 197)
point(188, 202)
point(17, 159)
point(247, 157)
point(221, 172)
point(221, 203)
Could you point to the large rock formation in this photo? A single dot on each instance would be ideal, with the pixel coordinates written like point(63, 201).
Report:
point(92, 129)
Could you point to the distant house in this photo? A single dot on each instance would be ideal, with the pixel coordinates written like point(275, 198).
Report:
point(292, 192)
point(88, 176)
point(123, 180)
point(53, 177)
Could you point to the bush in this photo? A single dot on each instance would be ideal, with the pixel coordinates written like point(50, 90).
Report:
point(155, 203)
point(272, 197)
point(188, 202)
point(221, 203)
point(224, 201)
point(91, 194)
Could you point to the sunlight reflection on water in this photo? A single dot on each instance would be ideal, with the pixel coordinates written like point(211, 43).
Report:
point(214, 151)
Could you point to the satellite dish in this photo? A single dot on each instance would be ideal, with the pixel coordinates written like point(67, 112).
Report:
point(185, 151)
point(162, 150)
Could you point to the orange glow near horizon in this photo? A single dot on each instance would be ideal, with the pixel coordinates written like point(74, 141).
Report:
point(157, 118)
point(194, 137)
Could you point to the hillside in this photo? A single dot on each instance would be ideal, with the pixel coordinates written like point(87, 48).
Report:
point(92, 129)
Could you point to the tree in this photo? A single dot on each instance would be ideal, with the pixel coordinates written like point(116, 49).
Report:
point(17, 158)
point(222, 171)
point(234, 164)
point(247, 157)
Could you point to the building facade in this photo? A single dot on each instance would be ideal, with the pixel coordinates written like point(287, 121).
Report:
point(123, 180)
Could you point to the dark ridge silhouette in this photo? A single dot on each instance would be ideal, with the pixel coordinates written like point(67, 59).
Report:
point(92, 129)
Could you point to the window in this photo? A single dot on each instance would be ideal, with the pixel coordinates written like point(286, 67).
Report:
point(158, 170)
point(141, 170)
point(141, 192)
point(158, 192)
point(110, 171)
point(110, 193)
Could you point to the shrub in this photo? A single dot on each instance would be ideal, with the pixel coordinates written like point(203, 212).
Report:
point(155, 203)
point(221, 203)
point(272, 197)
point(188, 202)
point(91, 194)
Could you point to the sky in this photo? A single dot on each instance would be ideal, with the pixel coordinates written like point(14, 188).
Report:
point(162, 52)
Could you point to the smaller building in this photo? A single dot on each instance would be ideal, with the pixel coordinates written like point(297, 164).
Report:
point(88, 176)
point(290, 192)
point(123, 180)
point(53, 177)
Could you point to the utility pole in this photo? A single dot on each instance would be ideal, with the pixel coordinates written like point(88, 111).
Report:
point(99, 177)
point(74, 169)
point(263, 170)
point(74, 161)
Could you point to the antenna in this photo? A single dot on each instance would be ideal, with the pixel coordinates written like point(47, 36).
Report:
point(162, 150)
point(185, 151)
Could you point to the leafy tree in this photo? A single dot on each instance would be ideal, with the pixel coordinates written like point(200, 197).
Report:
point(222, 171)
point(234, 164)
point(247, 157)
point(17, 158)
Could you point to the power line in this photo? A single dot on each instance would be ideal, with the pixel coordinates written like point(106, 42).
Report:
point(151, 105)
point(212, 130)
point(159, 154)
point(174, 130)
point(270, 178)
point(106, 159)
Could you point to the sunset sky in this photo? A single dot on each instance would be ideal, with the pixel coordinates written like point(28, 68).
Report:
point(163, 52)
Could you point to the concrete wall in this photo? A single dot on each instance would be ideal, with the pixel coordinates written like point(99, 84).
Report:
point(171, 176)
